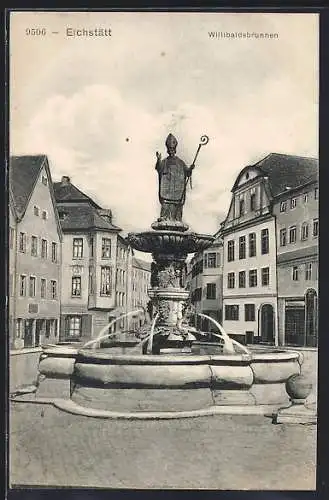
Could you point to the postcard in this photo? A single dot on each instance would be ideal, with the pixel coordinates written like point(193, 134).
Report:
point(163, 228)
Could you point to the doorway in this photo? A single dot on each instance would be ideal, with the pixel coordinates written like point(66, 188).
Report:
point(311, 318)
point(267, 323)
point(28, 333)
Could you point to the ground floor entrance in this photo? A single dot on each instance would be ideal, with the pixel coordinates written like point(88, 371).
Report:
point(267, 326)
point(301, 320)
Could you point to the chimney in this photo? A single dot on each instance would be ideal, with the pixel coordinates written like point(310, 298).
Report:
point(65, 179)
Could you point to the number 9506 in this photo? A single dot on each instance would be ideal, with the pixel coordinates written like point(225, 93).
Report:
point(36, 31)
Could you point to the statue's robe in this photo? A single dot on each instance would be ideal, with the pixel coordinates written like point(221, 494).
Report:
point(173, 174)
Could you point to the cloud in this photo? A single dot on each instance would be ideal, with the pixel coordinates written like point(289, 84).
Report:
point(101, 109)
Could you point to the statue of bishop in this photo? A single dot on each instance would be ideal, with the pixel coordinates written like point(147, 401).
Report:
point(173, 178)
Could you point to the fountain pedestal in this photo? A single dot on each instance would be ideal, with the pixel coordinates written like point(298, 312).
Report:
point(169, 242)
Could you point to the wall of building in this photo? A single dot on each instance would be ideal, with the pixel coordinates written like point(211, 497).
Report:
point(257, 295)
point(296, 256)
point(37, 308)
point(140, 283)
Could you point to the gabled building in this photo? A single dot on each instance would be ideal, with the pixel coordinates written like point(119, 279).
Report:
point(96, 266)
point(296, 211)
point(205, 276)
point(34, 254)
point(255, 283)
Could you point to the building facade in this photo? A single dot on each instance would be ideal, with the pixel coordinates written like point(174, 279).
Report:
point(96, 267)
point(297, 217)
point(205, 283)
point(34, 254)
point(269, 267)
point(140, 283)
point(249, 269)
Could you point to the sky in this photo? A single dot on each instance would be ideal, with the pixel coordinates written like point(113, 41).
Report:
point(100, 107)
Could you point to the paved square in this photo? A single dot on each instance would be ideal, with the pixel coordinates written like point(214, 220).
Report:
point(50, 447)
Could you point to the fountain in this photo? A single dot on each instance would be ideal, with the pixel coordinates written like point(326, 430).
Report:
point(172, 372)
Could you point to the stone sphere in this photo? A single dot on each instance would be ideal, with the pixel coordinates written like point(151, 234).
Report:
point(298, 387)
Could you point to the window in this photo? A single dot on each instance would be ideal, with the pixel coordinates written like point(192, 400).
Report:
point(91, 282)
point(106, 248)
point(32, 286)
point(252, 244)
point(230, 250)
point(54, 252)
point(265, 276)
point(22, 285)
point(211, 259)
point(53, 289)
point(308, 271)
point(253, 278)
point(19, 328)
point(43, 288)
point(249, 312)
point(11, 237)
point(44, 214)
point(44, 249)
point(241, 207)
point(305, 198)
point(22, 242)
point(232, 313)
point(315, 227)
point(264, 241)
point(295, 273)
point(293, 203)
point(242, 279)
point(283, 237)
point(316, 193)
point(292, 234)
point(91, 247)
point(252, 202)
point(36, 210)
point(283, 206)
point(211, 291)
point(242, 247)
point(230, 280)
point(44, 180)
point(77, 248)
point(76, 286)
point(34, 246)
point(106, 281)
point(304, 234)
point(74, 329)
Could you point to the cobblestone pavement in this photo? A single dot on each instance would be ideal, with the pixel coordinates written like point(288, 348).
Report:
point(50, 447)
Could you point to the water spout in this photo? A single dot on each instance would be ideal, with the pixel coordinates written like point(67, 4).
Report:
point(108, 335)
point(150, 346)
point(228, 342)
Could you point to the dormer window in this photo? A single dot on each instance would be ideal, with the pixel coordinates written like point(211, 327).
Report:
point(293, 203)
point(62, 215)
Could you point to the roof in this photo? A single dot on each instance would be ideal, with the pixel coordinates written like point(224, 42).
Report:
point(68, 193)
point(301, 253)
point(141, 264)
point(82, 217)
point(23, 174)
point(285, 171)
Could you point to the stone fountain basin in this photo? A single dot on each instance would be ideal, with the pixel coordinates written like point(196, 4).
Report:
point(103, 379)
